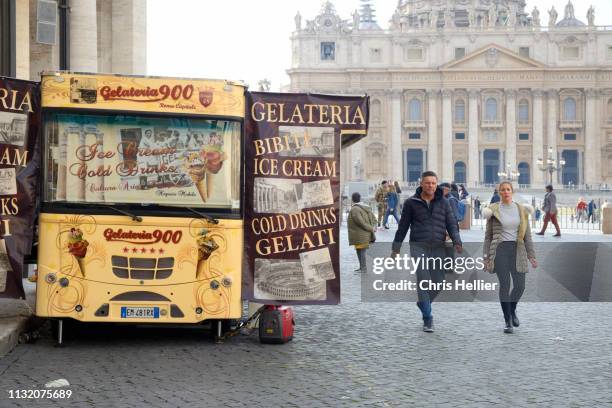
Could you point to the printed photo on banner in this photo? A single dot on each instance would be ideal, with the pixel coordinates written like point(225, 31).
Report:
point(8, 182)
point(314, 194)
point(5, 266)
point(284, 279)
point(317, 266)
point(275, 195)
point(13, 128)
point(83, 90)
point(308, 141)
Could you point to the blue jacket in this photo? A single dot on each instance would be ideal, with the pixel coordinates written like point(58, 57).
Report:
point(427, 223)
point(392, 200)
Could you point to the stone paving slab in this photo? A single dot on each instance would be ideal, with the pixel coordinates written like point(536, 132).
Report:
point(352, 355)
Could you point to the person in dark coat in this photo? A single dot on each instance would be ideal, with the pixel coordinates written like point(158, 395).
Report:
point(550, 211)
point(392, 200)
point(361, 229)
point(591, 211)
point(477, 208)
point(463, 193)
point(429, 217)
point(495, 198)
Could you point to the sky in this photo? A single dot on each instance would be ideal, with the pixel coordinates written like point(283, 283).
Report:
point(249, 40)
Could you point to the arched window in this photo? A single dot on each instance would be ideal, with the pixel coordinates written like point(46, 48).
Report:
point(569, 109)
point(376, 162)
point(460, 172)
point(524, 175)
point(459, 111)
point(376, 110)
point(610, 110)
point(491, 109)
point(524, 111)
point(415, 109)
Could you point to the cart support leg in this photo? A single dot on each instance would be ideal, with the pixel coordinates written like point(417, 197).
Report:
point(60, 332)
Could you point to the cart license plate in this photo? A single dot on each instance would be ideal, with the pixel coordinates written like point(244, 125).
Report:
point(139, 312)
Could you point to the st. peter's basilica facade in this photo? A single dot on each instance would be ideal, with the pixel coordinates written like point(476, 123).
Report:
point(467, 88)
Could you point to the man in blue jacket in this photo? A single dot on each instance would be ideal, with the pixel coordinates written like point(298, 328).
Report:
point(429, 217)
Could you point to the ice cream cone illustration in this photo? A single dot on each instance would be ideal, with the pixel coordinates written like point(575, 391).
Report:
point(195, 167)
point(203, 165)
point(77, 246)
point(206, 245)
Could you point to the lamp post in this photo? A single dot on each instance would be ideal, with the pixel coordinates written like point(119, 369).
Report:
point(509, 174)
point(550, 164)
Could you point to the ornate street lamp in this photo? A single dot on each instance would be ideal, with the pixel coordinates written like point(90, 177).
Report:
point(509, 174)
point(550, 165)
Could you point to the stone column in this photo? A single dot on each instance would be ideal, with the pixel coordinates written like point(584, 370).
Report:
point(447, 135)
point(432, 131)
point(592, 141)
point(83, 36)
point(129, 52)
point(553, 127)
point(537, 176)
point(356, 51)
point(510, 130)
point(396, 136)
point(473, 175)
point(357, 158)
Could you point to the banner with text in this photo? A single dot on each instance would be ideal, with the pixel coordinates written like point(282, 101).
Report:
point(142, 94)
point(19, 168)
point(292, 193)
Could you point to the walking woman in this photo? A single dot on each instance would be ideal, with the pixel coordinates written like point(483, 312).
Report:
point(508, 250)
point(362, 225)
point(392, 200)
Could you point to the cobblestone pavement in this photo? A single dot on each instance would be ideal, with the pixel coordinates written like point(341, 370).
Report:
point(355, 354)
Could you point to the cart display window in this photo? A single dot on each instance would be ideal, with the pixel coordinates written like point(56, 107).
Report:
point(130, 159)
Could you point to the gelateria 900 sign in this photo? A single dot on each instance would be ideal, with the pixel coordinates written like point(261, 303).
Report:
point(19, 168)
point(292, 194)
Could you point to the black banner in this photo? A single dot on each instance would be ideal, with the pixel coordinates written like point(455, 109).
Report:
point(19, 174)
point(292, 197)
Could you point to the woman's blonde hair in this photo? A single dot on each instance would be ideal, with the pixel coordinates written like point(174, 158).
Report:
point(499, 186)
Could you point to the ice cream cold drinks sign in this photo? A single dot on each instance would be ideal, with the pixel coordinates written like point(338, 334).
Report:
point(19, 165)
point(135, 158)
point(293, 194)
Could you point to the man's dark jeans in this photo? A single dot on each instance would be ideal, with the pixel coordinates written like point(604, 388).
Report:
point(431, 272)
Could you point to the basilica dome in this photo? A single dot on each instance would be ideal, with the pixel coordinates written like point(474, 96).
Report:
point(570, 22)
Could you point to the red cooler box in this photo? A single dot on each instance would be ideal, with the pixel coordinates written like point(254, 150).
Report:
point(276, 324)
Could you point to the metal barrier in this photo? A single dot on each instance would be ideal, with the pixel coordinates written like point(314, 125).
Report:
point(568, 218)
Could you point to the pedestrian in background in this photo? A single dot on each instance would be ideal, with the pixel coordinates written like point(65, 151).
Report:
point(550, 211)
point(463, 193)
point(538, 214)
point(392, 202)
point(361, 229)
point(429, 218)
point(495, 198)
point(398, 190)
point(477, 208)
point(451, 193)
point(591, 211)
point(379, 197)
point(581, 210)
point(508, 250)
